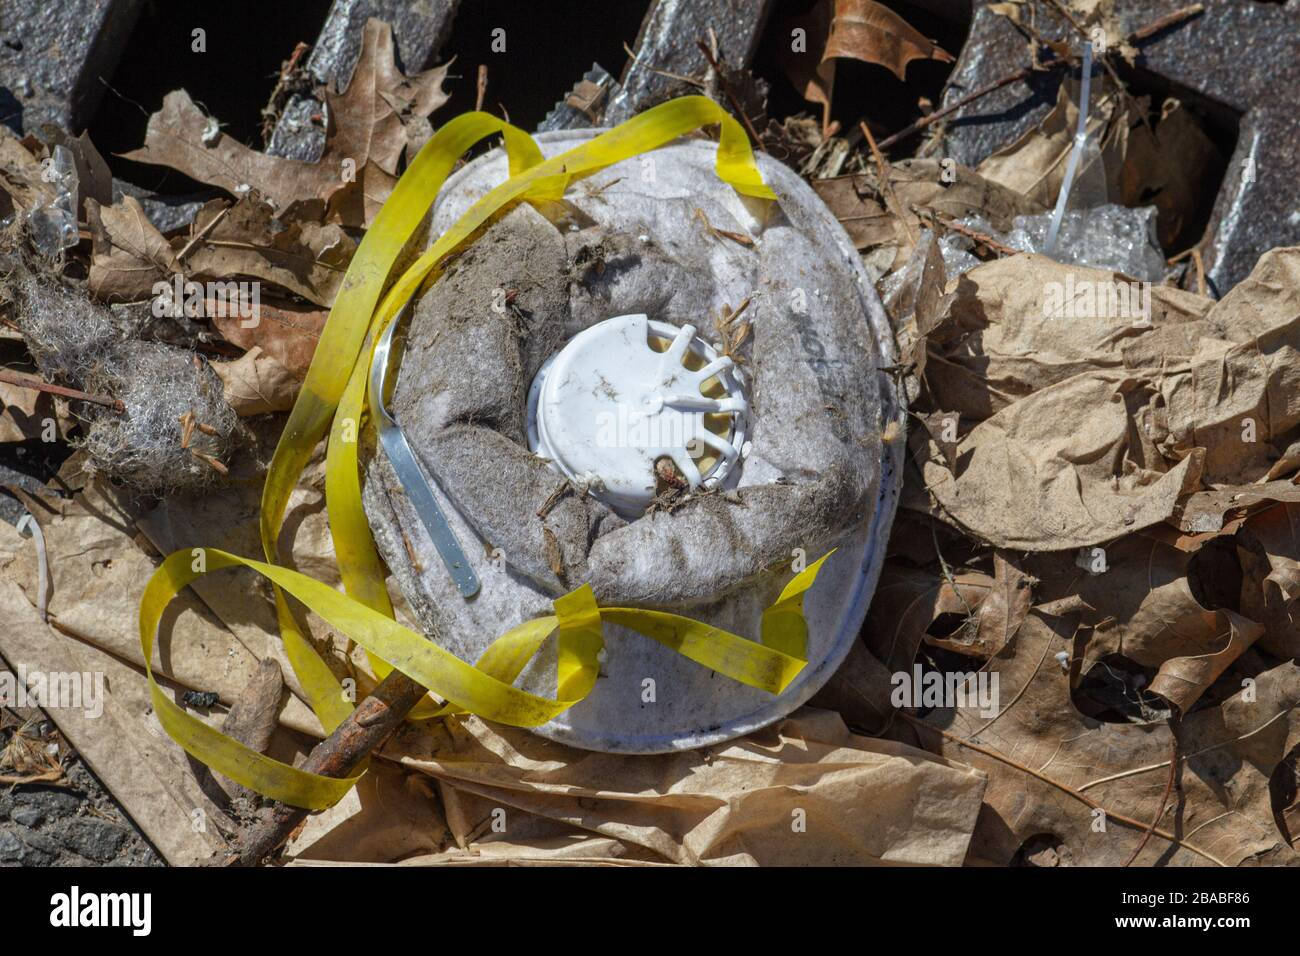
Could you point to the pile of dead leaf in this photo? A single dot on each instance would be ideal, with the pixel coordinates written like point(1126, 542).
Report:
point(1099, 509)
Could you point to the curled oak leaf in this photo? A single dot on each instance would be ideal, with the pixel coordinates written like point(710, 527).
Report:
point(869, 31)
point(857, 29)
point(255, 384)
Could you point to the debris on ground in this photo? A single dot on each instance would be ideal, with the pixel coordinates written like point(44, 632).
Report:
point(1088, 604)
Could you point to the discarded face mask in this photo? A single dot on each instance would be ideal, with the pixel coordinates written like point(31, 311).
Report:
point(656, 387)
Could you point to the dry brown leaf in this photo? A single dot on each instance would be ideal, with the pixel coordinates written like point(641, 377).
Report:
point(1003, 611)
point(869, 31)
point(1063, 468)
point(864, 800)
point(24, 413)
point(1268, 548)
point(305, 258)
point(285, 332)
point(859, 691)
point(1098, 423)
point(1208, 511)
point(1183, 679)
point(907, 604)
point(128, 253)
point(255, 384)
point(1042, 756)
point(856, 29)
point(365, 139)
point(20, 173)
point(1163, 608)
point(1005, 336)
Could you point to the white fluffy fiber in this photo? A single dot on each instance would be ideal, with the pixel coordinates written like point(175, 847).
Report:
point(81, 344)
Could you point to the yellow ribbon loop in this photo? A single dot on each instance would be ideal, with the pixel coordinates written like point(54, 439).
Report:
point(334, 394)
point(484, 689)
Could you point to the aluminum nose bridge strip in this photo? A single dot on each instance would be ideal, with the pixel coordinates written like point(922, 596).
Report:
point(418, 487)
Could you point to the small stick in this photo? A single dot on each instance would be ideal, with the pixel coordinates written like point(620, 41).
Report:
point(1021, 74)
point(203, 233)
point(679, 77)
point(50, 776)
point(30, 381)
point(974, 234)
point(731, 97)
point(1163, 23)
point(886, 186)
point(337, 755)
point(482, 87)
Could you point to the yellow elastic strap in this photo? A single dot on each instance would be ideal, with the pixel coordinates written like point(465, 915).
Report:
point(332, 366)
point(484, 689)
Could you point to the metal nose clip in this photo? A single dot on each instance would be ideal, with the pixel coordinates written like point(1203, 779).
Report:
point(411, 475)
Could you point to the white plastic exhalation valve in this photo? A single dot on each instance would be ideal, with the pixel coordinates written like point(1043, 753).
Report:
point(609, 408)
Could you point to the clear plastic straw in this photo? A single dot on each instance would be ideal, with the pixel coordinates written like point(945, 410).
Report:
point(1072, 165)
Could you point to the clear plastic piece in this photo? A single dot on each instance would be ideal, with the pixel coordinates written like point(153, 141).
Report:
point(53, 224)
point(1105, 237)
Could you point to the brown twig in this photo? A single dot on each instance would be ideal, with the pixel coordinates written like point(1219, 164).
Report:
point(731, 97)
point(1164, 800)
point(679, 77)
point(973, 234)
point(887, 187)
point(365, 729)
point(1163, 23)
point(30, 381)
point(50, 776)
point(1021, 74)
point(481, 95)
point(203, 233)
